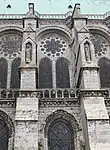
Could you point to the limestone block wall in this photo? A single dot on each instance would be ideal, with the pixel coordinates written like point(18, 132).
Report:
point(26, 129)
point(90, 79)
point(99, 131)
point(28, 79)
point(26, 136)
point(97, 121)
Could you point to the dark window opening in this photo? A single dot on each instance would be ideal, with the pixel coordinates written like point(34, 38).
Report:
point(3, 73)
point(3, 136)
point(15, 76)
point(45, 73)
point(104, 71)
point(62, 73)
point(60, 136)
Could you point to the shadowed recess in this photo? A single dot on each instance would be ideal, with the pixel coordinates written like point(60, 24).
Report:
point(45, 73)
point(104, 64)
point(15, 77)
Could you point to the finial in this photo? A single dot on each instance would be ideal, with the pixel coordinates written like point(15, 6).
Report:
point(31, 8)
point(8, 6)
point(70, 7)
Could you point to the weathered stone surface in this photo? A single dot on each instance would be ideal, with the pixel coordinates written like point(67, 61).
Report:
point(27, 109)
point(28, 113)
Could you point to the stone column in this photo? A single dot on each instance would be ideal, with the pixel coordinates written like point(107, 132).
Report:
point(71, 75)
point(9, 74)
point(54, 73)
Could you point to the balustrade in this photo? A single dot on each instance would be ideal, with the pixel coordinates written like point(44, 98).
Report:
point(40, 93)
point(54, 16)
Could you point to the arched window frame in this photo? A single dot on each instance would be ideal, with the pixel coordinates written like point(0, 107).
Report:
point(6, 71)
point(10, 129)
point(62, 115)
point(11, 80)
point(67, 125)
point(63, 59)
point(50, 63)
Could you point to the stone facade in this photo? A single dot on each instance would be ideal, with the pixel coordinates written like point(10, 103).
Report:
point(54, 81)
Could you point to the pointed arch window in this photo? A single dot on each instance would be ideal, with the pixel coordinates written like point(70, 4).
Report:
point(62, 73)
point(15, 77)
point(104, 71)
point(3, 136)
point(45, 73)
point(6, 131)
point(60, 136)
point(3, 73)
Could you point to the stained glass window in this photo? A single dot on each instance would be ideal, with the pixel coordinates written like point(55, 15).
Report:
point(15, 77)
point(53, 45)
point(3, 73)
point(60, 136)
point(10, 44)
point(104, 64)
point(3, 136)
point(62, 73)
point(101, 45)
point(45, 73)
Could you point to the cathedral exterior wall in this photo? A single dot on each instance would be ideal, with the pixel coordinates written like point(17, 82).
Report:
point(54, 75)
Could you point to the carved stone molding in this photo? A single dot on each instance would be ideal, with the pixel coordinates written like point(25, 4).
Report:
point(107, 22)
point(63, 30)
point(61, 114)
point(8, 121)
point(58, 102)
point(51, 21)
point(7, 103)
point(6, 28)
point(11, 22)
point(93, 93)
point(100, 122)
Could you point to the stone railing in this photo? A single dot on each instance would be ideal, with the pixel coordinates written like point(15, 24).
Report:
point(52, 93)
point(42, 16)
point(12, 16)
point(40, 93)
point(96, 16)
point(57, 93)
point(8, 94)
point(54, 16)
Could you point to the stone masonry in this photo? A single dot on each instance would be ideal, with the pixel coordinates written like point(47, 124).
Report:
point(54, 81)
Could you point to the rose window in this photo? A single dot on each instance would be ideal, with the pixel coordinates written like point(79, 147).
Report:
point(10, 44)
point(100, 44)
point(53, 46)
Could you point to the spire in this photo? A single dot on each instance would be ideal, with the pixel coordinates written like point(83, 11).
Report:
point(76, 11)
point(8, 6)
point(31, 8)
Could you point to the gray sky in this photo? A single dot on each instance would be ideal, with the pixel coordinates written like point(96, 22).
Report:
point(55, 6)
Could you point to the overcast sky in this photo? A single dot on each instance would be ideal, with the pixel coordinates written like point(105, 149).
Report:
point(54, 6)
